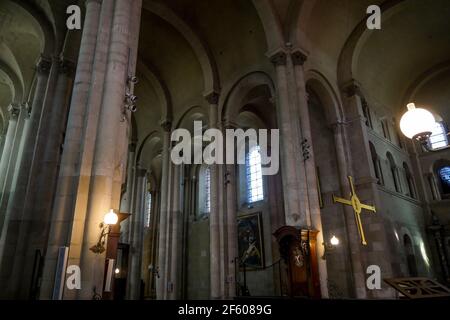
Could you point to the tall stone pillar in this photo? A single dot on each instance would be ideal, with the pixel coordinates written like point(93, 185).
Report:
point(14, 158)
point(214, 230)
point(69, 178)
point(14, 111)
point(175, 267)
point(358, 275)
point(126, 203)
point(290, 141)
point(14, 210)
point(7, 159)
point(231, 226)
point(43, 174)
point(378, 249)
point(105, 163)
point(309, 168)
point(161, 282)
point(137, 238)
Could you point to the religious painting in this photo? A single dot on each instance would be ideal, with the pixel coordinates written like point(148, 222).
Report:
point(250, 241)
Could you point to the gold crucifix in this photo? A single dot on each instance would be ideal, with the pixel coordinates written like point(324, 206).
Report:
point(357, 207)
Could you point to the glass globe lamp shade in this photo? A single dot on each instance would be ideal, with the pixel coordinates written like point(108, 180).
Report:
point(417, 122)
point(111, 218)
point(334, 241)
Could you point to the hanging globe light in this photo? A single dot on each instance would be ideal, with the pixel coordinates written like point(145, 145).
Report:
point(417, 123)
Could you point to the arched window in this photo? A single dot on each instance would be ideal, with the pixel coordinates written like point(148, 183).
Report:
point(148, 212)
point(444, 177)
point(255, 189)
point(376, 164)
point(438, 138)
point(204, 191)
point(410, 257)
point(366, 113)
point(394, 172)
point(410, 181)
point(207, 189)
point(385, 128)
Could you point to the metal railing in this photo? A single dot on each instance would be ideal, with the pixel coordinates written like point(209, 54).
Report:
point(242, 289)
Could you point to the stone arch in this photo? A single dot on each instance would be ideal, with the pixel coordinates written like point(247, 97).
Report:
point(410, 256)
point(353, 45)
point(423, 79)
point(376, 163)
point(409, 180)
point(159, 86)
point(45, 25)
point(16, 83)
point(322, 87)
point(235, 97)
point(195, 113)
point(298, 20)
point(394, 171)
point(271, 24)
point(152, 138)
point(199, 46)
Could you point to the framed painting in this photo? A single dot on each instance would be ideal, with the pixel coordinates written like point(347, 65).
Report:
point(250, 241)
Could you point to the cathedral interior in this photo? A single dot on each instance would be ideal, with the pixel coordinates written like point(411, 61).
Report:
point(93, 207)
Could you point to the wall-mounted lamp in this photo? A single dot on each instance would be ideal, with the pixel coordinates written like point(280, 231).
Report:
point(109, 220)
point(418, 124)
point(330, 246)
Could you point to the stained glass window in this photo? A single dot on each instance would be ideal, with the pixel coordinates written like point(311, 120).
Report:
point(444, 176)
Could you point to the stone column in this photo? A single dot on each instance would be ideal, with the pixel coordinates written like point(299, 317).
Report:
point(154, 242)
point(102, 194)
point(309, 168)
point(44, 170)
point(175, 266)
point(231, 224)
point(14, 209)
point(290, 140)
point(378, 250)
point(214, 230)
point(5, 161)
point(70, 178)
point(358, 274)
point(137, 242)
point(126, 202)
point(14, 111)
point(161, 282)
point(168, 231)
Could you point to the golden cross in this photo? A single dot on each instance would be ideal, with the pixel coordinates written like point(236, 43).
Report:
point(357, 207)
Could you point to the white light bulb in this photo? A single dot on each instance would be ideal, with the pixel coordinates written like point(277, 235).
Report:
point(117, 271)
point(111, 218)
point(416, 121)
point(334, 241)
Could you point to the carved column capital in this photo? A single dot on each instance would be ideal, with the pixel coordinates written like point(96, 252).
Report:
point(352, 88)
point(27, 108)
point(43, 66)
point(213, 98)
point(166, 125)
point(66, 66)
point(13, 110)
point(95, 1)
point(279, 59)
point(298, 58)
point(132, 146)
point(229, 125)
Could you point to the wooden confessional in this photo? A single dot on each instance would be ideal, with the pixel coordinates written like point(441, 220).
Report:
point(298, 250)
